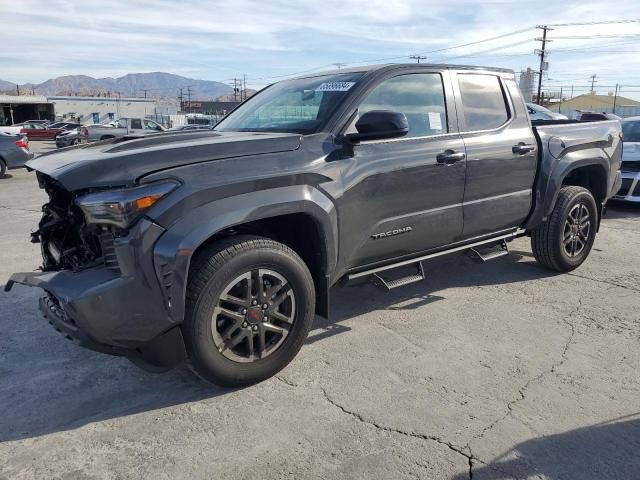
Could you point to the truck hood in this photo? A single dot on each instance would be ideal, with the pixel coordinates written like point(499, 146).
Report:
point(121, 162)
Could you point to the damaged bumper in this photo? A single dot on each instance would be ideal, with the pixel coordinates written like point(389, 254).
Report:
point(116, 311)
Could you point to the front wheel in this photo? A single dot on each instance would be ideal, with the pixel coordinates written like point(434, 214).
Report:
point(250, 305)
point(564, 241)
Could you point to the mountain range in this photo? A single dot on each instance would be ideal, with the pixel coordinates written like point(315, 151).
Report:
point(156, 84)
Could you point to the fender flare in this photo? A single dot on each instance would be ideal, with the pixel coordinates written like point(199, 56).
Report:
point(550, 182)
point(175, 248)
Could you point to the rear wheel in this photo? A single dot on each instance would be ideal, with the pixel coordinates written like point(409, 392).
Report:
point(3, 167)
point(564, 241)
point(250, 304)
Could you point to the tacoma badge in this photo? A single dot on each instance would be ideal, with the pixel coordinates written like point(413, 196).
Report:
point(391, 233)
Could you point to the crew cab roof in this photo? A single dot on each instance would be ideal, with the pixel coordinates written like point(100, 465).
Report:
point(390, 66)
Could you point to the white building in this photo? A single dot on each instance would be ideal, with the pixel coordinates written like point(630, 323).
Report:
point(89, 110)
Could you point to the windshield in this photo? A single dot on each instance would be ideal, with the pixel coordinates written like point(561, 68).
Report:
point(631, 131)
point(298, 106)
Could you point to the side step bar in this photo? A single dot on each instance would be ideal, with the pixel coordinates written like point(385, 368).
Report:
point(500, 238)
point(482, 255)
point(389, 285)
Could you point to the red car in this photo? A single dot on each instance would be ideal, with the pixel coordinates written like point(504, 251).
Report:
point(34, 131)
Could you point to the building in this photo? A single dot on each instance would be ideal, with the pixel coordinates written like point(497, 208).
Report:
point(17, 109)
point(85, 110)
point(622, 106)
point(89, 110)
point(527, 84)
point(205, 107)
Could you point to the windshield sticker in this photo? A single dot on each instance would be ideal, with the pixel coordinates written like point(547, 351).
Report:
point(335, 86)
point(435, 123)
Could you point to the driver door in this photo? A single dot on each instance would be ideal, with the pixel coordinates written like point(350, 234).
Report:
point(400, 197)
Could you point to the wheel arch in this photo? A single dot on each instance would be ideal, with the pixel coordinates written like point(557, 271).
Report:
point(590, 173)
point(301, 217)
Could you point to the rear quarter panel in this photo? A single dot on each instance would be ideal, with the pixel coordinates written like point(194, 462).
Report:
point(566, 147)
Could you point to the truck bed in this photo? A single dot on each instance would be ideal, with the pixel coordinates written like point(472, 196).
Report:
point(557, 140)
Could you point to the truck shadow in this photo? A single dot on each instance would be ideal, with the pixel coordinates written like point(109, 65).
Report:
point(604, 450)
point(48, 384)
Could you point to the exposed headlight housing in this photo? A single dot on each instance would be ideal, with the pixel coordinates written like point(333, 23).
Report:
point(123, 207)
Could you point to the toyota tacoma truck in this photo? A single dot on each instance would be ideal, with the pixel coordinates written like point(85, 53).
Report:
point(217, 248)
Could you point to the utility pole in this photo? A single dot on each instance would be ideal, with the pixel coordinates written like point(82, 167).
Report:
point(615, 97)
point(181, 97)
point(560, 102)
point(244, 88)
point(593, 80)
point(18, 89)
point(542, 52)
point(145, 92)
point(235, 89)
point(189, 98)
point(417, 57)
point(340, 65)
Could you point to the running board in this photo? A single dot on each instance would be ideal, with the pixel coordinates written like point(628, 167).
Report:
point(461, 248)
point(389, 285)
point(482, 255)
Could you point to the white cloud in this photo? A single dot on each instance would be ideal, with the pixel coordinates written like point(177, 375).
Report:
point(219, 39)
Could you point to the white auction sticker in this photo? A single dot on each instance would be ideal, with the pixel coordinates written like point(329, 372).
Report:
point(335, 86)
point(434, 121)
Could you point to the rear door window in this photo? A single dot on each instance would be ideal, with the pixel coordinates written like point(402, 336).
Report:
point(483, 101)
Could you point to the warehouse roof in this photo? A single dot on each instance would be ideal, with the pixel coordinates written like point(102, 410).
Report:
point(22, 99)
point(585, 102)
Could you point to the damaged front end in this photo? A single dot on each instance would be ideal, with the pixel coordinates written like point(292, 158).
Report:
point(67, 241)
point(98, 273)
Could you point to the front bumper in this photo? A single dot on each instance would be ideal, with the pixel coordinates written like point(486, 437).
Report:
point(630, 189)
point(116, 311)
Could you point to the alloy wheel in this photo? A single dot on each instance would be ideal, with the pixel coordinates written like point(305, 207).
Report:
point(253, 316)
point(576, 230)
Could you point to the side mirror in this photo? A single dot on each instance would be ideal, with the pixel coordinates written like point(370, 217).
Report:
point(380, 124)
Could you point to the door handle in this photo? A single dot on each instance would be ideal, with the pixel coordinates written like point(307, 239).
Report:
point(449, 157)
point(522, 148)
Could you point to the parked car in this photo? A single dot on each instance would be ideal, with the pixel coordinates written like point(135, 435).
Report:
point(594, 116)
point(40, 132)
point(14, 151)
point(18, 127)
point(218, 247)
point(630, 190)
point(537, 112)
point(66, 125)
point(69, 137)
point(122, 128)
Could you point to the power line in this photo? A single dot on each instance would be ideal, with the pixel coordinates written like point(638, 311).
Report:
point(606, 22)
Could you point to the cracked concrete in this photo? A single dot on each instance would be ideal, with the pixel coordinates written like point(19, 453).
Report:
point(493, 371)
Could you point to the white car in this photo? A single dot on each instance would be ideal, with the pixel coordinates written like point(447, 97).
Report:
point(630, 189)
point(536, 112)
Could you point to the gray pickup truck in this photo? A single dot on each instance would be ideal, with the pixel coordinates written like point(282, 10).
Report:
point(218, 247)
point(121, 128)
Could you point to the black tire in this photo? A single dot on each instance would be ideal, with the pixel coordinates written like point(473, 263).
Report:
point(214, 269)
point(3, 168)
point(548, 240)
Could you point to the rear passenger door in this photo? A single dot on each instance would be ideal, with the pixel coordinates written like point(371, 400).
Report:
point(501, 153)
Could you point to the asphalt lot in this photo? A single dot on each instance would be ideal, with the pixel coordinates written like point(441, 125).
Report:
point(505, 368)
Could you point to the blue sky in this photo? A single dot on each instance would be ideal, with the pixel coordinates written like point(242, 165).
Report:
point(218, 40)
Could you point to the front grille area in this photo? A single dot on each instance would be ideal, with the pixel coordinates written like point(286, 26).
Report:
point(624, 189)
point(636, 190)
point(67, 242)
